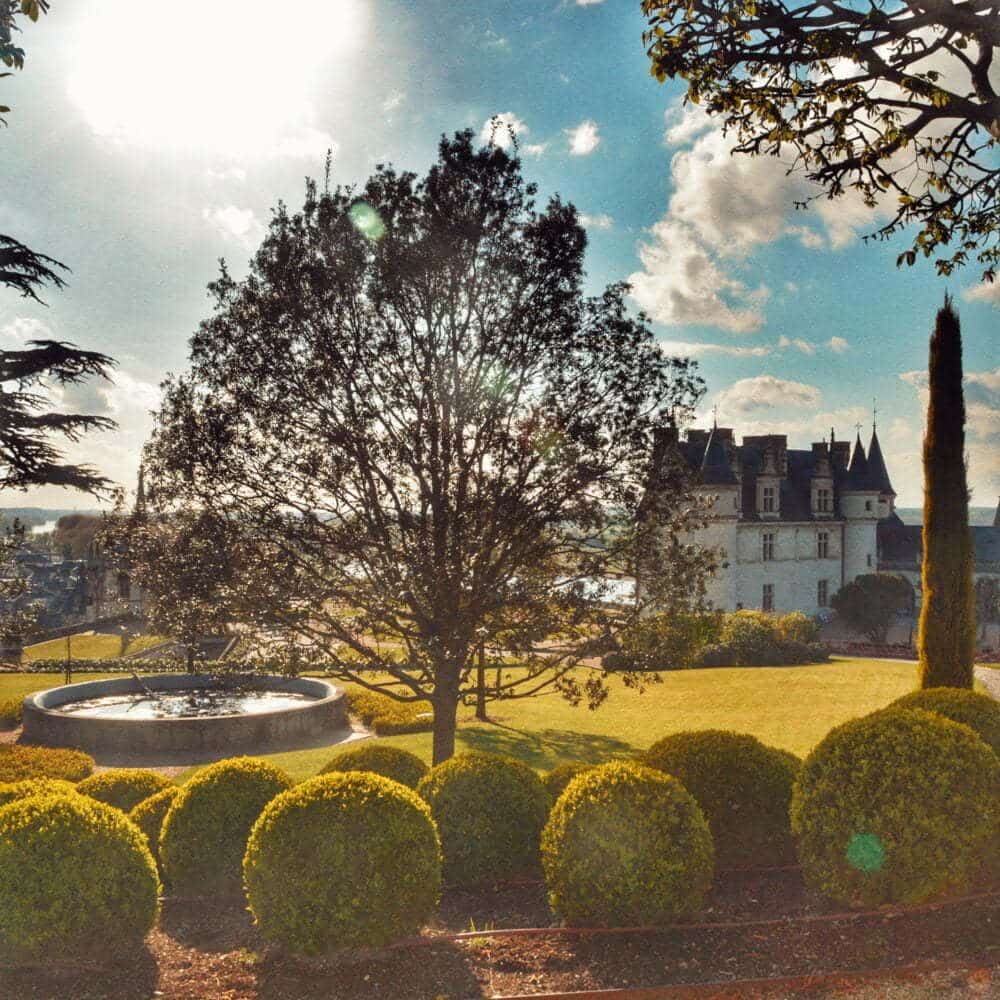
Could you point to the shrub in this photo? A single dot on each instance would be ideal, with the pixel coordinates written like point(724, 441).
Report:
point(349, 859)
point(751, 636)
point(977, 711)
point(10, 713)
point(742, 786)
point(870, 603)
point(14, 790)
point(797, 627)
point(76, 880)
point(716, 655)
point(559, 777)
point(896, 807)
point(149, 815)
point(205, 831)
point(18, 762)
point(400, 765)
point(123, 787)
point(789, 652)
point(665, 641)
point(489, 811)
point(626, 845)
point(388, 717)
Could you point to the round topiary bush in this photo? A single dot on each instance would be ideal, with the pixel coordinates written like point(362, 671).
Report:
point(18, 762)
point(896, 807)
point(14, 790)
point(343, 859)
point(149, 815)
point(743, 787)
point(204, 834)
point(489, 812)
point(123, 787)
point(977, 711)
point(750, 634)
point(559, 777)
point(400, 765)
point(76, 880)
point(626, 845)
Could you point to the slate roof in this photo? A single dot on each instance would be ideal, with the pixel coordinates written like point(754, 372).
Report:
point(900, 546)
point(876, 466)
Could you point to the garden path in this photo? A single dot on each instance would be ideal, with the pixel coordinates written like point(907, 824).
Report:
point(990, 679)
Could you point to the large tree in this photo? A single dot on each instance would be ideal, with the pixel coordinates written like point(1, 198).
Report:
point(897, 100)
point(946, 642)
point(434, 439)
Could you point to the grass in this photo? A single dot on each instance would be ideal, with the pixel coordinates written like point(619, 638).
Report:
point(788, 707)
point(82, 647)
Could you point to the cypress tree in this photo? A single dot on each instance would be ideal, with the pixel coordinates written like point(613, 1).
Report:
point(946, 642)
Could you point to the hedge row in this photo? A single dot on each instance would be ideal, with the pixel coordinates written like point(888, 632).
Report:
point(122, 665)
point(388, 717)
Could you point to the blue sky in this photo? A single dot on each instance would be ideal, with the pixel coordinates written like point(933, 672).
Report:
point(142, 148)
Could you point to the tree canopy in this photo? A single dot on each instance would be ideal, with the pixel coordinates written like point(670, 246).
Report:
point(896, 100)
point(871, 603)
point(433, 438)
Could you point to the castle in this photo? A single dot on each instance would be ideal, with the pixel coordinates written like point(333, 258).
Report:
point(795, 525)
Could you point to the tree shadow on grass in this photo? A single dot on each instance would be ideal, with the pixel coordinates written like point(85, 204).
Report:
point(546, 748)
point(134, 979)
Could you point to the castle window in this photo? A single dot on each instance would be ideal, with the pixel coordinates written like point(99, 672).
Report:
point(823, 545)
point(868, 505)
point(824, 501)
point(767, 597)
point(768, 500)
point(767, 546)
point(124, 587)
point(822, 593)
point(869, 559)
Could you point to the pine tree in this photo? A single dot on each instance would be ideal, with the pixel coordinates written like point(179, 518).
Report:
point(946, 641)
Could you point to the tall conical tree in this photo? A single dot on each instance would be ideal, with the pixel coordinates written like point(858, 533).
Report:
point(947, 636)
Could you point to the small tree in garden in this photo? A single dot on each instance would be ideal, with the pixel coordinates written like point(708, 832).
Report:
point(871, 603)
point(946, 641)
point(17, 618)
point(442, 440)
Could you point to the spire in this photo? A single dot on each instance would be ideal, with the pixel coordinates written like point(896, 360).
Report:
point(876, 466)
point(140, 490)
point(859, 472)
point(715, 468)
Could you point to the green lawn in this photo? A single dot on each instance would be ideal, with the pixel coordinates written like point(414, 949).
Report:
point(788, 707)
point(82, 647)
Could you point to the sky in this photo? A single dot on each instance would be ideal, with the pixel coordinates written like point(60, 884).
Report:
point(149, 140)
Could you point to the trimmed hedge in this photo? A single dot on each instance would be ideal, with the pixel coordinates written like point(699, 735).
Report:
point(560, 776)
point(123, 787)
point(76, 881)
point(18, 762)
point(160, 665)
point(626, 845)
point(149, 815)
point(342, 860)
point(388, 717)
point(14, 790)
point(11, 711)
point(390, 762)
point(489, 812)
point(897, 807)
point(743, 787)
point(204, 834)
point(977, 711)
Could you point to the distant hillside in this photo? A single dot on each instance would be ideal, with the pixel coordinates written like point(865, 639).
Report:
point(977, 515)
point(35, 517)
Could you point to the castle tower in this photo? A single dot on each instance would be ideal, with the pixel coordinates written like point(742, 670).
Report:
point(718, 480)
point(880, 477)
point(859, 505)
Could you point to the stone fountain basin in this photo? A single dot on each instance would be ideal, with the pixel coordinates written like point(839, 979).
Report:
point(321, 716)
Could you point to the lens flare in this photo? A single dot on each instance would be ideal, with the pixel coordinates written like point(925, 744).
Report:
point(866, 852)
point(367, 221)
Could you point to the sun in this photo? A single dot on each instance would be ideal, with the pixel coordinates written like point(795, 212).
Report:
point(236, 76)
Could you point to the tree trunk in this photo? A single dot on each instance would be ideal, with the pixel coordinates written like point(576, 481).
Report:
point(190, 659)
point(445, 712)
point(481, 683)
point(947, 636)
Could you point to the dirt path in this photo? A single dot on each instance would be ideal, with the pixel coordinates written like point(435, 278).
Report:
point(990, 679)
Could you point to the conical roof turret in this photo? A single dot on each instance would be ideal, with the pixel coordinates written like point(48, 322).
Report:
point(877, 471)
point(859, 471)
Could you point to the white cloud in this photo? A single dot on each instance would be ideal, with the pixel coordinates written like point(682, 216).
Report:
point(394, 100)
point(21, 329)
point(588, 3)
point(306, 142)
point(682, 348)
point(988, 291)
point(805, 346)
point(501, 128)
point(601, 221)
point(229, 174)
point(838, 345)
point(766, 392)
point(534, 148)
point(583, 139)
point(684, 124)
point(239, 224)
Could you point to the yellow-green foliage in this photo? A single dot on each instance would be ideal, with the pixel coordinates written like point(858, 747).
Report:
point(796, 627)
point(750, 634)
point(559, 777)
point(897, 807)
point(10, 712)
point(349, 859)
point(123, 787)
point(205, 831)
point(76, 880)
point(18, 762)
point(14, 790)
point(81, 647)
point(743, 787)
point(489, 811)
point(149, 814)
point(626, 845)
point(978, 711)
point(388, 717)
point(400, 765)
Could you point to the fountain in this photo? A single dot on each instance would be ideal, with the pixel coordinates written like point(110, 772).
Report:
point(183, 713)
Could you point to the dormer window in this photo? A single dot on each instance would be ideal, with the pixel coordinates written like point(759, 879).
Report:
point(768, 500)
point(824, 500)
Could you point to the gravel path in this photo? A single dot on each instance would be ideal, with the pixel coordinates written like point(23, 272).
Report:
point(990, 679)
